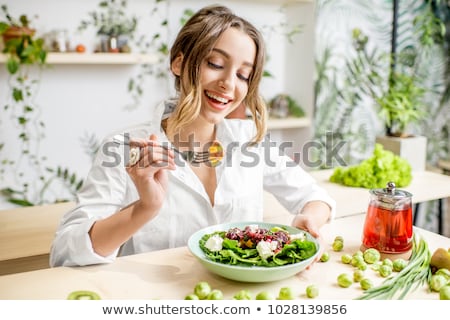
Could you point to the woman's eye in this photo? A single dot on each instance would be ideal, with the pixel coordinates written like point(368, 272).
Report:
point(214, 65)
point(242, 77)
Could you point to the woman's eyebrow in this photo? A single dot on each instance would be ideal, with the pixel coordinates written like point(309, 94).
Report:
point(225, 54)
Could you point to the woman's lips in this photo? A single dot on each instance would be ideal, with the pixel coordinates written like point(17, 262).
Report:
point(216, 101)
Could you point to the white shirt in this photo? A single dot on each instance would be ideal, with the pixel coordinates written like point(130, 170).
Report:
point(242, 176)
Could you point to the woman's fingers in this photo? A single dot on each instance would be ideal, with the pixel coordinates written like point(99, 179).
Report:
point(149, 152)
point(157, 156)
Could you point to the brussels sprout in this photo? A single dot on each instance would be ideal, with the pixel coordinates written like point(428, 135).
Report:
point(437, 281)
point(191, 297)
point(371, 255)
point(361, 265)
point(339, 238)
point(376, 266)
point(325, 257)
point(388, 262)
point(344, 280)
point(346, 258)
point(358, 275)
point(358, 253)
point(264, 295)
point(399, 264)
point(312, 291)
point(338, 245)
point(366, 284)
point(215, 294)
point(444, 272)
point(202, 289)
point(285, 294)
point(243, 295)
point(385, 270)
point(356, 259)
point(444, 293)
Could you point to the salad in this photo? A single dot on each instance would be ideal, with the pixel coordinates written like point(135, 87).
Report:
point(257, 246)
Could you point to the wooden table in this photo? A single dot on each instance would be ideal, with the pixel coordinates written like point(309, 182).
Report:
point(26, 233)
point(172, 274)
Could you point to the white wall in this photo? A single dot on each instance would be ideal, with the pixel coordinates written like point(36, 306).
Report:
point(77, 100)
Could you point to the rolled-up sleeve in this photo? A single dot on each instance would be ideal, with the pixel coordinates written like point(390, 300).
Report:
point(102, 194)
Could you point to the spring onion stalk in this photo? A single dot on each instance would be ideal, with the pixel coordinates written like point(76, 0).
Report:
point(415, 274)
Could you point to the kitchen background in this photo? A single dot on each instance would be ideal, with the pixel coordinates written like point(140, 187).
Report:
point(312, 53)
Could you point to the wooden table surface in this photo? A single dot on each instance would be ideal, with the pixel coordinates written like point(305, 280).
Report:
point(173, 273)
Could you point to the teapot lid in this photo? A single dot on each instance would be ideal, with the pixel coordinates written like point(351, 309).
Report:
point(390, 193)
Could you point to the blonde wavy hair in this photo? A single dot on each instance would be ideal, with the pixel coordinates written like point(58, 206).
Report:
point(194, 42)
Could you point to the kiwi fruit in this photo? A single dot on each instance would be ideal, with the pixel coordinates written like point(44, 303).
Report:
point(440, 259)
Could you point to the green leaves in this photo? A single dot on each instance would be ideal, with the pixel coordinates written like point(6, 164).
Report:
point(232, 253)
point(402, 104)
point(383, 166)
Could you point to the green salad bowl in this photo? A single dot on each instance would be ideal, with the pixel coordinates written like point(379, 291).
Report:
point(246, 273)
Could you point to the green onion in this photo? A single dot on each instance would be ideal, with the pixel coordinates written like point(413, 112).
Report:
point(416, 273)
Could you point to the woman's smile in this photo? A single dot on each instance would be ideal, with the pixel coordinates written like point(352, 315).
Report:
point(217, 101)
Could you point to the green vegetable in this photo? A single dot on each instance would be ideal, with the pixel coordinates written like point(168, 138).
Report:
point(444, 293)
point(234, 253)
point(215, 294)
point(346, 258)
point(385, 270)
point(388, 262)
point(366, 284)
point(202, 289)
point(312, 291)
point(357, 259)
point(358, 275)
point(285, 293)
point(338, 245)
point(371, 255)
point(243, 295)
point(83, 295)
point(416, 273)
point(344, 280)
point(437, 281)
point(264, 295)
point(191, 297)
point(444, 272)
point(399, 264)
point(376, 266)
point(361, 265)
point(383, 166)
point(325, 257)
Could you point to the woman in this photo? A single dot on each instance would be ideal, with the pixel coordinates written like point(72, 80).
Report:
point(159, 201)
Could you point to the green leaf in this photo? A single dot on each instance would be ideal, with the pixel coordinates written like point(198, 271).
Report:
point(21, 202)
point(17, 94)
point(12, 65)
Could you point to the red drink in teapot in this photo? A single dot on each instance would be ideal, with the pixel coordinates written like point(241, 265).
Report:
point(388, 226)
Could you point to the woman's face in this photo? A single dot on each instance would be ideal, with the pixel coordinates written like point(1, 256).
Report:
point(224, 74)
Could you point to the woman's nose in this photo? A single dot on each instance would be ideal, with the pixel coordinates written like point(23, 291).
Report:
point(227, 81)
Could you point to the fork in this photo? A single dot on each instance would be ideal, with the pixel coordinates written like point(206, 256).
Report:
point(190, 156)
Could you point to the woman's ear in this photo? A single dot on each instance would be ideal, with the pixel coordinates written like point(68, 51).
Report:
point(176, 65)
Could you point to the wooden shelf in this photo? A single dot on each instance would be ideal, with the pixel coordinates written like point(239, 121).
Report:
point(288, 123)
point(97, 58)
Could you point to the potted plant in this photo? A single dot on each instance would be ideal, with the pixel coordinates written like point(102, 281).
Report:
point(20, 45)
point(113, 25)
point(400, 100)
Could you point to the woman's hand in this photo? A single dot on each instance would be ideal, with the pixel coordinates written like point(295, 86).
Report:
point(313, 216)
point(149, 173)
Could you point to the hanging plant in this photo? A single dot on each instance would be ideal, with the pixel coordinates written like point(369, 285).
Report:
point(28, 178)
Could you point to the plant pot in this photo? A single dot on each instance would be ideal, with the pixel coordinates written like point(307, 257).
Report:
point(17, 32)
point(412, 148)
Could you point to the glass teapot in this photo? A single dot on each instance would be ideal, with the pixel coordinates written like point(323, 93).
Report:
point(388, 226)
